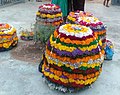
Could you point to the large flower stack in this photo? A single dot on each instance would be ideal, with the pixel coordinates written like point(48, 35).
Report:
point(8, 37)
point(73, 58)
point(87, 19)
point(49, 14)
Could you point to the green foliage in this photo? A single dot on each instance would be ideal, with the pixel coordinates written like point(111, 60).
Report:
point(43, 32)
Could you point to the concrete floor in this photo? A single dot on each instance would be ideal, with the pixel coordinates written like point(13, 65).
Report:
point(22, 78)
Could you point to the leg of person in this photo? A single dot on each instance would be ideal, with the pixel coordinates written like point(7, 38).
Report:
point(69, 6)
point(83, 4)
point(107, 3)
point(75, 4)
point(104, 2)
point(78, 5)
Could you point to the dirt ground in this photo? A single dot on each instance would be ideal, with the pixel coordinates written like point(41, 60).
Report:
point(28, 51)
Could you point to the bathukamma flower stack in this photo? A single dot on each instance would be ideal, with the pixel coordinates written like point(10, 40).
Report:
point(8, 37)
point(73, 58)
point(87, 19)
point(49, 14)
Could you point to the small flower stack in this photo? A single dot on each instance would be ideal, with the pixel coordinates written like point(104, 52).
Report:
point(73, 58)
point(26, 35)
point(8, 37)
point(87, 19)
point(49, 14)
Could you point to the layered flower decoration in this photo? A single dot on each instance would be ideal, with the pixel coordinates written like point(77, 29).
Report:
point(26, 35)
point(87, 19)
point(8, 37)
point(49, 14)
point(73, 58)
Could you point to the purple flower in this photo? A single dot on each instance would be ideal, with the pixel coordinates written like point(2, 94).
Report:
point(64, 77)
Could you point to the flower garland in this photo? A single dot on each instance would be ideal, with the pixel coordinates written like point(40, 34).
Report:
point(8, 37)
point(74, 60)
point(76, 66)
point(75, 40)
point(43, 15)
point(67, 78)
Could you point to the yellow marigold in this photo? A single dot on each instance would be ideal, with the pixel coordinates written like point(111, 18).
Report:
point(56, 77)
point(47, 73)
point(1, 33)
point(48, 15)
point(51, 75)
point(5, 45)
point(37, 13)
point(71, 80)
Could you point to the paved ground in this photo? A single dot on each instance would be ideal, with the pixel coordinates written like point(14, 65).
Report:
point(22, 78)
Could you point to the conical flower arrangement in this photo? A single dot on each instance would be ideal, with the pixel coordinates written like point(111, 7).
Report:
point(8, 37)
point(87, 19)
point(49, 14)
point(48, 17)
point(73, 58)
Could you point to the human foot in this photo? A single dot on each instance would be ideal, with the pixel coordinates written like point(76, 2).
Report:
point(104, 3)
